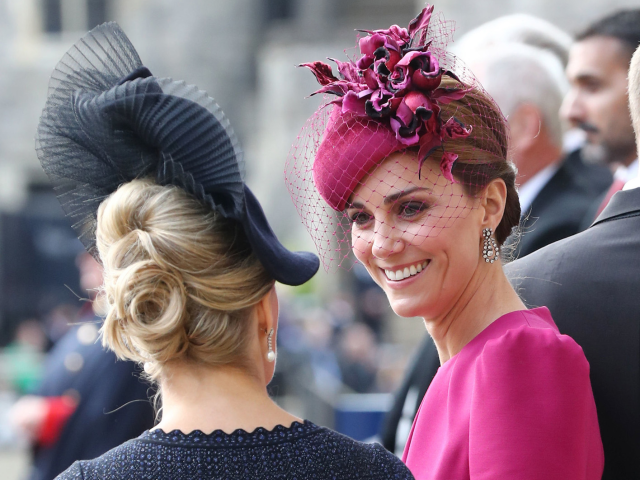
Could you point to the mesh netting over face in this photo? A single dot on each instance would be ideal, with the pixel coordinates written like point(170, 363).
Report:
point(403, 147)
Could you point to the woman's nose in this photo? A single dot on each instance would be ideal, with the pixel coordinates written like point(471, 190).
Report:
point(387, 240)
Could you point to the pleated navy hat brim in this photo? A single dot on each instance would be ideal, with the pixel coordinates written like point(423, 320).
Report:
point(285, 266)
point(108, 121)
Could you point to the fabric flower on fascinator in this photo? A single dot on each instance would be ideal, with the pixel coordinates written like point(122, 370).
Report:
point(397, 81)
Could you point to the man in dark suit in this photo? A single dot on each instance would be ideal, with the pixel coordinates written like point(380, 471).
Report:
point(557, 211)
point(597, 100)
point(590, 284)
point(555, 192)
point(525, 76)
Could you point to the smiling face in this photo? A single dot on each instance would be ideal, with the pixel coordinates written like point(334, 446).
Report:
point(419, 238)
point(597, 100)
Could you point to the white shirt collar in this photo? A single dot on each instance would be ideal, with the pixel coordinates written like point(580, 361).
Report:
point(530, 190)
point(629, 175)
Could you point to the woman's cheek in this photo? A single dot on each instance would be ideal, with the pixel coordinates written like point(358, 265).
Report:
point(361, 245)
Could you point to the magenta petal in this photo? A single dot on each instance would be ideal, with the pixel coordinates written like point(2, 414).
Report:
point(365, 62)
point(409, 57)
point(352, 104)
point(404, 113)
point(454, 128)
point(426, 81)
point(392, 44)
point(380, 99)
point(370, 44)
point(400, 79)
point(446, 95)
point(348, 70)
point(416, 99)
point(395, 126)
point(428, 143)
point(370, 79)
point(446, 164)
point(337, 88)
point(322, 71)
point(394, 103)
point(421, 21)
point(408, 141)
point(398, 34)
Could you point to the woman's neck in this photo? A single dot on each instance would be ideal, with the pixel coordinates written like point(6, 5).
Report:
point(488, 296)
point(222, 398)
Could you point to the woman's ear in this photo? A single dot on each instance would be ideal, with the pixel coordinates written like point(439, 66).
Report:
point(266, 311)
point(494, 201)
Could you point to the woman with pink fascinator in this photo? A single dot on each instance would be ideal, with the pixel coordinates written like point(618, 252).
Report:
point(405, 167)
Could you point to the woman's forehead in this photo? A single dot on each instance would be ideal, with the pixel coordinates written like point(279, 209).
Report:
point(397, 173)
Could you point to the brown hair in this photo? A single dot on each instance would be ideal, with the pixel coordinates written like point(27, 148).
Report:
point(482, 156)
point(179, 281)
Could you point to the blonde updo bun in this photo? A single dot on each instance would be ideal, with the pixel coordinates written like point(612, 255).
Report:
point(179, 280)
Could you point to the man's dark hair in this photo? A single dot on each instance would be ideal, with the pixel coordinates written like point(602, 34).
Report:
point(623, 25)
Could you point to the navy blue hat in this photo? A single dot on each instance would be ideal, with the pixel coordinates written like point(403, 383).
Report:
point(108, 121)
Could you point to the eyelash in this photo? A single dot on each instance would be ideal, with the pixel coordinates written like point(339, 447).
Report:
point(361, 217)
point(353, 218)
point(417, 207)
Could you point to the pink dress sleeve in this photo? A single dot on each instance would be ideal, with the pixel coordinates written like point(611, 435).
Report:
point(532, 410)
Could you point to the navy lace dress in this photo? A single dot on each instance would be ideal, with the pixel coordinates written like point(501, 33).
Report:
point(303, 451)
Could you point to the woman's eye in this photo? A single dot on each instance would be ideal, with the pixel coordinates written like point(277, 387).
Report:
point(412, 209)
point(359, 218)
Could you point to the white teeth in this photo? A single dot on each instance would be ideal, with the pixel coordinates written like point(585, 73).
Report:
point(407, 272)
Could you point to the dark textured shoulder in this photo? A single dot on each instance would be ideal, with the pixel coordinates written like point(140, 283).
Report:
point(302, 451)
point(363, 460)
point(116, 464)
point(74, 472)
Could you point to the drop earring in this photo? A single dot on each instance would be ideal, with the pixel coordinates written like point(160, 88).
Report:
point(271, 355)
point(490, 250)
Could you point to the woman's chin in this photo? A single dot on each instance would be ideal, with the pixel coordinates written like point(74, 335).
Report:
point(406, 307)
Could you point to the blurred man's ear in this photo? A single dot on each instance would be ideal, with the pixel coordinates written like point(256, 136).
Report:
point(525, 125)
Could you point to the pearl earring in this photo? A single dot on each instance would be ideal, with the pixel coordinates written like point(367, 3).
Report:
point(271, 356)
point(490, 248)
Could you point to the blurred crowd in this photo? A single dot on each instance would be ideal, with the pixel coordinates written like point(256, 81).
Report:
point(572, 141)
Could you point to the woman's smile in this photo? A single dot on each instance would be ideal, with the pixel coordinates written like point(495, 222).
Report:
point(398, 274)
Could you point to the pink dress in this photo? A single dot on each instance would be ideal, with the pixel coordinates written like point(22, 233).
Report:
point(515, 403)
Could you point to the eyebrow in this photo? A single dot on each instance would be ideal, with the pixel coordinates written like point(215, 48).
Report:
point(391, 198)
point(587, 76)
point(396, 196)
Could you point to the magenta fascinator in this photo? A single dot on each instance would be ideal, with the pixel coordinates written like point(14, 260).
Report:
point(397, 82)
